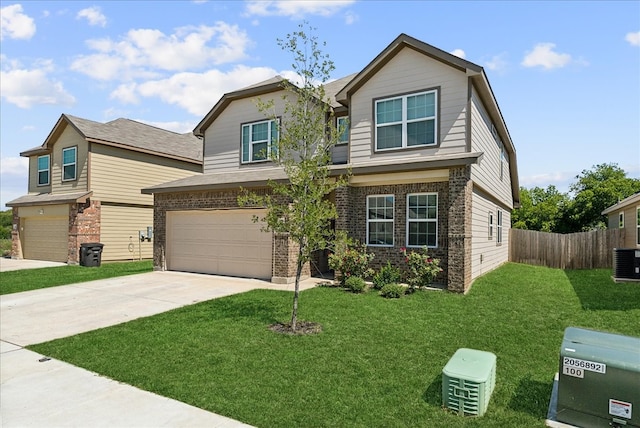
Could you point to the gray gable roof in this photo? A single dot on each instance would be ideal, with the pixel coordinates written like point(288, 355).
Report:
point(131, 135)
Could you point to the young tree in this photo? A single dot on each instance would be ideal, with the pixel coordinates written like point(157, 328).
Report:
point(299, 207)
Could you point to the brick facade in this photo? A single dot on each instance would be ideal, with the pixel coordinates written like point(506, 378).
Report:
point(284, 250)
point(16, 244)
point(454, 224)
point(84, 227)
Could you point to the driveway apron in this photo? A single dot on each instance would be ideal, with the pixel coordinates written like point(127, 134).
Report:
point(36, 391)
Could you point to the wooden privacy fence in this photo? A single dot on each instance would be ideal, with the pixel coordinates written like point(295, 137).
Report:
point(583, 250)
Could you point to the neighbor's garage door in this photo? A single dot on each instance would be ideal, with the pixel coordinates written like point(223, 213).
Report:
point(222, 242)
point(45, 238)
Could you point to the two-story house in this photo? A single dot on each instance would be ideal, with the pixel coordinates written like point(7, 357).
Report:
point(432, 164)
point(84, 186)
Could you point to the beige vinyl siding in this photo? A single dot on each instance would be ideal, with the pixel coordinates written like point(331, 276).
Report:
point(223, 138)
point(119, 226)
point(486, 253)
point(69, 138)
point(410, 71)
point(487, 173)
point(33, 176)
point(118, 175)
point(630, 224)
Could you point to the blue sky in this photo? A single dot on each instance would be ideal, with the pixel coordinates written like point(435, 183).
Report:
point(566, 74)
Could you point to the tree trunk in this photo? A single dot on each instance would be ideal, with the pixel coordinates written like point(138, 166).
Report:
point(296, 291)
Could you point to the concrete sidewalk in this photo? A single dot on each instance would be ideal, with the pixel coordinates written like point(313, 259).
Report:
point(13, 264)
point(56, 394)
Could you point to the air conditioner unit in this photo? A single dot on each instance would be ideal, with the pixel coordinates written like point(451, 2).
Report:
point(468, 381)
point(626, 264)
point(599, 379)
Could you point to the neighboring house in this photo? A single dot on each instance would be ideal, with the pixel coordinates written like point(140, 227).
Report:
point(84, 187)
point(431, 159)
point(626, 215)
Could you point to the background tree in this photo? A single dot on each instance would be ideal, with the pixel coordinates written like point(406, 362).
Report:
point(540, 209)
point(596, 189)
point(299, 207)
point(6, 223)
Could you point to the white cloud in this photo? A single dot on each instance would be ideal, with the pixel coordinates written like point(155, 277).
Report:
point(197, 92)
point(296, 8)
point(544, 56)
point(144, 52)
point(497, 63)
point(15, 24)
point(350, 17)
point(28, 87)
point(93, 15)
point(459, 53)
point(633, 38)
point(14, 166)
point(125, 93)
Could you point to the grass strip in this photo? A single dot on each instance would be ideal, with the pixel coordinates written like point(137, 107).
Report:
point(34, 279)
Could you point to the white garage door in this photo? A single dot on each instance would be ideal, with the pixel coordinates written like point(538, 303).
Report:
point(221, 242)
point(45, 238)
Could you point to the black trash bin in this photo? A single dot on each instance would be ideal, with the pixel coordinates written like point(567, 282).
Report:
point(91, 254)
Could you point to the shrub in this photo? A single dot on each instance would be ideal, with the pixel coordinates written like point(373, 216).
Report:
point(355, 284)
point(350, 258)
point(422, 268)
point(392, 291)
point(388, 275)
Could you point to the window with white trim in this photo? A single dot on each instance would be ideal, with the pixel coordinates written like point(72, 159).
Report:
point(259, 141)
point(69, 160)
point(499, 228)
point(43, 170)
point(490, 225)
point(638, 226)
point(422, 220)
point(342, 123)
point(380, 218)
point(406, 121)
point(621, 220)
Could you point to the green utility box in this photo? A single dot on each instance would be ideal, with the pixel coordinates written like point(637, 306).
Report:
point(468, 380)
point(599, 379)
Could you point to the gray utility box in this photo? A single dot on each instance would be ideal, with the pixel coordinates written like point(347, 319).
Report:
point(599, 379)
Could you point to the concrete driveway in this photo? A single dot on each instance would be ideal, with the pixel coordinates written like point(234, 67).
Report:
point(36, 392)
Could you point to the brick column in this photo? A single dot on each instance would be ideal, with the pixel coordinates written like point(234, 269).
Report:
point(285, 259)
point(459, 219)
point(16, 245)
point(84, 227)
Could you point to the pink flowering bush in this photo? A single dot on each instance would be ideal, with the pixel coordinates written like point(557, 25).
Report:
point(350, 258)
point(422, 268)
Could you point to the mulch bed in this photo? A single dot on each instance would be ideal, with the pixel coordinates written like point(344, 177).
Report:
point(302, 328)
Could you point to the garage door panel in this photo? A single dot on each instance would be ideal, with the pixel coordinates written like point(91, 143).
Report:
point(223, 242)
point(46, 238)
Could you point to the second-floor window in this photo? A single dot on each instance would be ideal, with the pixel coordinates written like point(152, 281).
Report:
point(343, 128)
point(43, 170)
point(406, 121)
point(69, 160)
point(259, 141)
point(621, 220)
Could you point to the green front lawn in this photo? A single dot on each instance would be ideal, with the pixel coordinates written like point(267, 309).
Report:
point(378, 362)
point(33, 279)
